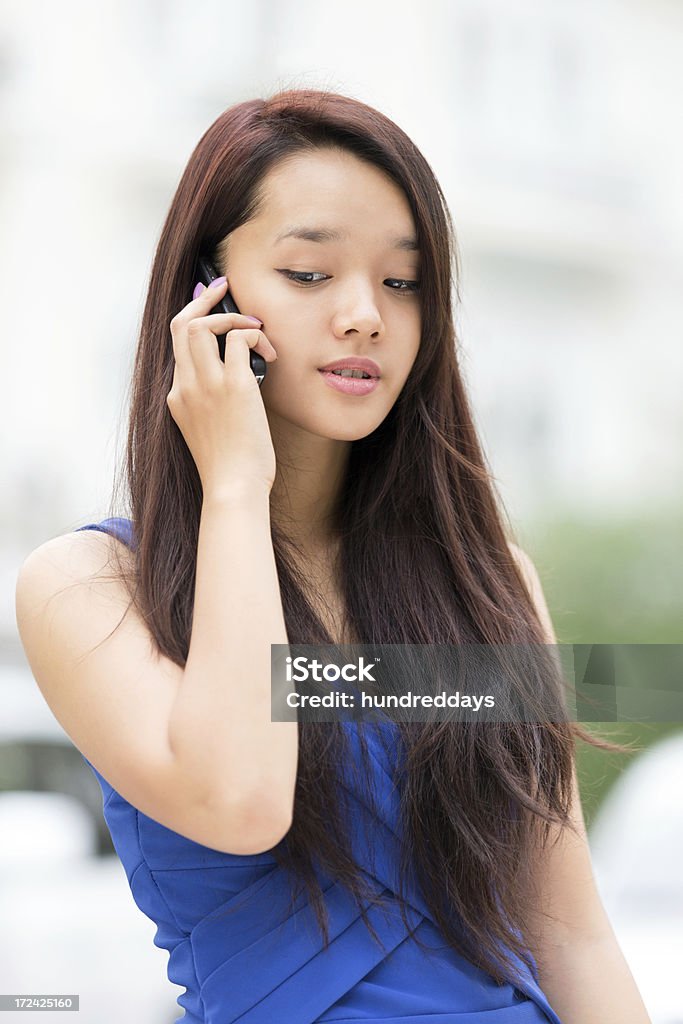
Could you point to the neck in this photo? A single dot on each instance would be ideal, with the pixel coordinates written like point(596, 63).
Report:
point(309, 475)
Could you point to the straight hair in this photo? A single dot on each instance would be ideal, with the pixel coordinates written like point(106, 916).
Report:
point(424, 550)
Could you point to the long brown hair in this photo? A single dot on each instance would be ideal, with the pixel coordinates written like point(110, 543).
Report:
point(424, 556)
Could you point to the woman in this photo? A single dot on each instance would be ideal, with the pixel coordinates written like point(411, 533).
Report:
point(300, 512)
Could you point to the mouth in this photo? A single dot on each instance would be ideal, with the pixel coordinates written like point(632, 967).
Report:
point(355, 367)
point(350, 385)
point(356, 375)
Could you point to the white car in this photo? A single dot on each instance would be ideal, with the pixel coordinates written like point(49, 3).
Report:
point(636, 842)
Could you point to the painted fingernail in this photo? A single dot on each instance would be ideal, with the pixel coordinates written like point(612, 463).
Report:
point(253, 318)
point(217, 282)
point(198, 289)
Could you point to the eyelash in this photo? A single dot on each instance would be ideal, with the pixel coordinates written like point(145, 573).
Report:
point(294, 275)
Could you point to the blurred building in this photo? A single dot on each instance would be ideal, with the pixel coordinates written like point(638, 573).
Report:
point(554, 130)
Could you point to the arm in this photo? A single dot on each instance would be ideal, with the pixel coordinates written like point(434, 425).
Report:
point(582, 969)
point(220, 723)
point(114, 692)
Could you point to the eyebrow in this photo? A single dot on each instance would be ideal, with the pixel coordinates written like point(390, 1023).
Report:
point(407, 242)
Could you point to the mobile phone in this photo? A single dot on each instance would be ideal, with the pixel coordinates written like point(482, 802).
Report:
point(207, 273)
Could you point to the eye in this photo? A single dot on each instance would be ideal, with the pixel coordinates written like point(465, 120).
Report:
point(412, 286)
point(298, 276)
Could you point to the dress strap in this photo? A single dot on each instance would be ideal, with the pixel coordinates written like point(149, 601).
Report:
point(118, 526)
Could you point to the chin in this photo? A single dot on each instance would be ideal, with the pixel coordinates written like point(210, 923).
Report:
point(333, 427)
point(352, 429)
point(354, 420)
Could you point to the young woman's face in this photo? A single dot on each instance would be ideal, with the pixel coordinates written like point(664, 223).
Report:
point(361, 299)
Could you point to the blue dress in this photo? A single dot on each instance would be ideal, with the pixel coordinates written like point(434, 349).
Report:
point(240, 955)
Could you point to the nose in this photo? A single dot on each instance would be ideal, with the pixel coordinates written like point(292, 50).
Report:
point(358, 312)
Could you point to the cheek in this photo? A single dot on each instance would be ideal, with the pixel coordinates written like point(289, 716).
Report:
point(294, 352)
point(299, 340)
point(292, 373)
point(412, 347)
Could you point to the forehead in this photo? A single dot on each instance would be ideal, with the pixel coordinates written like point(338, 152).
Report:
point(335, 189)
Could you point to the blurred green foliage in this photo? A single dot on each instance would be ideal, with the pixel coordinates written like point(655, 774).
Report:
point(611, 581)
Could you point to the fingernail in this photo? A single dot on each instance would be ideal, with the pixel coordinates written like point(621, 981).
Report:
point(217, 282)
point(253, 318)
point(198, 289)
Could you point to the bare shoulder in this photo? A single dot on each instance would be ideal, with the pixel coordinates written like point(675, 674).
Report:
point(81, 632)
point(527, 568)
point(533, 584)
point(82, 552)
point(523, 560)
point(112, 690)
point(96, 562)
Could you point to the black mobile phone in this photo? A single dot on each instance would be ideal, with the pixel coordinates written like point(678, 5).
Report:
point(207, 273)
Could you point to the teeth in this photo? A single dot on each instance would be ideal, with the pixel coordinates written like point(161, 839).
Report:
point(351, 373)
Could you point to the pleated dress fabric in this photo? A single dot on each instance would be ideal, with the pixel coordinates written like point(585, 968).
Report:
point(243, 954)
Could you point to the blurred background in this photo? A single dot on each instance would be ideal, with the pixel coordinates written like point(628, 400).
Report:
point(555, 131)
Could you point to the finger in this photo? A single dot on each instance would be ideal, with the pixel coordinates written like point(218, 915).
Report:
point(237, 345)
point(222, 323)
point(181, 321)
point(203, 348)
point(203, 300)
point(219, 323)
point(218, 285)
point(179, 377)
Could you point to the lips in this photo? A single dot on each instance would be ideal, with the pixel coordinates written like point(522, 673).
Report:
point(368, 366)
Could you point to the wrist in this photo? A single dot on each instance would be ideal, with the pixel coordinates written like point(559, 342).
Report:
point(236, 491)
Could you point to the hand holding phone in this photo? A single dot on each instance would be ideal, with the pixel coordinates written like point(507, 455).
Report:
point(207, 274)
point(215, 403)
